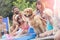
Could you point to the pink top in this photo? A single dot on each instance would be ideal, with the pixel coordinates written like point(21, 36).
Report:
point(25, 26)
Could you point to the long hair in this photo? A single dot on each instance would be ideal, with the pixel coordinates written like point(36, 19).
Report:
point(20, 18)
point(42, 6)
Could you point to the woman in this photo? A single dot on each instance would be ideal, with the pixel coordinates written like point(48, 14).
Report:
point(39, 13)
point(43, 17)
point(49, 26)
point(39, 7)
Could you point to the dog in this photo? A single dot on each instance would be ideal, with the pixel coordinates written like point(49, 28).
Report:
point(34, 20)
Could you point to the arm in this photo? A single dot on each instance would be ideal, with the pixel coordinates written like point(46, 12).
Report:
point(14, 18)
point(47, 33)
point(15, 29)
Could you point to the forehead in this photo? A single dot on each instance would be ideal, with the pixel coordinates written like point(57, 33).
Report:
point(38, 2)
point(16, 9)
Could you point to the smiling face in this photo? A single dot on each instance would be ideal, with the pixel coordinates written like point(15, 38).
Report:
point(16, 10)
point(39, 5)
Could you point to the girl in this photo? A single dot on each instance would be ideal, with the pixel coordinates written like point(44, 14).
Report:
point(21, 28)
point(49, 26)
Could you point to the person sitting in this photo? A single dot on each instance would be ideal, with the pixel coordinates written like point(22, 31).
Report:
point(15, 15)
point(21, 27)
point(48, 15)
point(3, 29)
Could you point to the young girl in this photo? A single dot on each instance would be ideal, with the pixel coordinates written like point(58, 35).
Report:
point(49, 26)
point(21, 28)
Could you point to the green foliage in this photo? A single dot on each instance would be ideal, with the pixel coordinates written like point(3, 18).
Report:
point(22, 4)
point(5, 7)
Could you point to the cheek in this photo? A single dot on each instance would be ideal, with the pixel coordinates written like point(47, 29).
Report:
point(38, 6)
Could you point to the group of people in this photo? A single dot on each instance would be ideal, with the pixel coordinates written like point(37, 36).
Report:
point(42, 20)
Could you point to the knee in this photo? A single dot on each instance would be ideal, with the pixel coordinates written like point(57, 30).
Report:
point(57, 36)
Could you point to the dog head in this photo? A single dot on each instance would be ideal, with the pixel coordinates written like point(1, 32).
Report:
point(28, 12)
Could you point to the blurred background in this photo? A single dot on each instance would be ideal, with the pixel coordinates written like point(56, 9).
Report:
point(6, 6)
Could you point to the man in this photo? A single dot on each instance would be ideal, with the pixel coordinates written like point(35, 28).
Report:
point(16, 12)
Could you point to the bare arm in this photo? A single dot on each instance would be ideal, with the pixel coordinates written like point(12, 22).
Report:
point(47, 33)
point(15, 29)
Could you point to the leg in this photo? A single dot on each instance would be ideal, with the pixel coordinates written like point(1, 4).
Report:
point(57, 36)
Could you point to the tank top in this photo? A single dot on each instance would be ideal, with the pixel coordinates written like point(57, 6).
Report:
point(49, 26)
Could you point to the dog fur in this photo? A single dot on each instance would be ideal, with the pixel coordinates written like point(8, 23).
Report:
point(35, 21)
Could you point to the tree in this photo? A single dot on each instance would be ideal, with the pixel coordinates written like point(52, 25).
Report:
point(5, 7)
point(22, 4)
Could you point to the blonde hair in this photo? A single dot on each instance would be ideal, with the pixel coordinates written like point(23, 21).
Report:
point(29, 10)
point(48, 12)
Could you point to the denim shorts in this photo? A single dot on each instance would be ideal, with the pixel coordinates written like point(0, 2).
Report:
point(2, 33)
